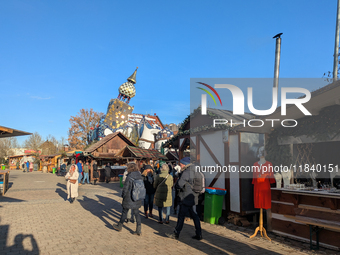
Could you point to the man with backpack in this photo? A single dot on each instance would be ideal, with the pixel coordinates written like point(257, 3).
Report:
point(133, 194)
point(189, 184)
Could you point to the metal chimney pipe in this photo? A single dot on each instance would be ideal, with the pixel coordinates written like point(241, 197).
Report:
point(277, 60)
point(336, 46)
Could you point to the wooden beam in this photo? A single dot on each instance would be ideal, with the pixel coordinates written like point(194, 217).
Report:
point(214, 158)
point(8, 130)
point(198, 150)
point(227, 177)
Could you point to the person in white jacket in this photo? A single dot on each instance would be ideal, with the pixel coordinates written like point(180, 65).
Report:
point(72, 183)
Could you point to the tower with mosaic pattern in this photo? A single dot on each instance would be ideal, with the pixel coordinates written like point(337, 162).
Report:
point(119, 108)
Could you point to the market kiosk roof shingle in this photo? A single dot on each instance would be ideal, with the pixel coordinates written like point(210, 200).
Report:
point(9, 132)
point(106, 139)
point(136, 152)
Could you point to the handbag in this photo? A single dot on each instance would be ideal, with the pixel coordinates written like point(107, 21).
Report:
point(73, 181)
point(154, 199)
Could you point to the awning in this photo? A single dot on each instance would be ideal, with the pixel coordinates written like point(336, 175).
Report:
point(136, 152)
point(9, 132)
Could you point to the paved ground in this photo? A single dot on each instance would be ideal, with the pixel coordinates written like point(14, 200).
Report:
point(36, 219)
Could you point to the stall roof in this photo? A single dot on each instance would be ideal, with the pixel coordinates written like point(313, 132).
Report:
point(320, 98)
point(140, 153)
point(107, 138)
point(22, 155)
point(49, 156)
point(70, 153)
point(9, 132)
point(171, 155)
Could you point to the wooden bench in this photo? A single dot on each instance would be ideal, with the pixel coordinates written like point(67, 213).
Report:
point(315, 225)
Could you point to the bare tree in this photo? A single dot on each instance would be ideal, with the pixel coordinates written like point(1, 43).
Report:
point(7, 145)
point(33, 142)
point(80, 127)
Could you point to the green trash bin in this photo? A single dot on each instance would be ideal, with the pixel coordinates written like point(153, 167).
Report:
point(213, 202)
point(121, 180)
point(3, 167)
point(54, 170)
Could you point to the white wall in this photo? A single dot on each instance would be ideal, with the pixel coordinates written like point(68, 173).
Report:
point(216, 145)
point(234, 176)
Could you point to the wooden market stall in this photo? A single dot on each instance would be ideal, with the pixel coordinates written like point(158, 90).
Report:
point(312, 216)
point(105, 150)
point(8, 132)
point(48, 161)
point(217, 147)
point(307, 207)
point(14, 162)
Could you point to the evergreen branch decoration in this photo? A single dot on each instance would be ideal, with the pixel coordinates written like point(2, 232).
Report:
point(324, 126)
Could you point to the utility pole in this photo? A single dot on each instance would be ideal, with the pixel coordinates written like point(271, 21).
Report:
point(336, 45)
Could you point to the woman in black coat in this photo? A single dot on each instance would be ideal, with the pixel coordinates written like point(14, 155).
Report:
point(148, 178)
point(128, 203)
point(108, 173)
point(95, 172)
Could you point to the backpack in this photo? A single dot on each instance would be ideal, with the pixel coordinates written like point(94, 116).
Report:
point(197, 185)
point(138, 191)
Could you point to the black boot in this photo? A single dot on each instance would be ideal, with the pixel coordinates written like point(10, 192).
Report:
point(197, 237)
point(95, 182)
point(138, 230)
point(118, 226)
point(173, 235)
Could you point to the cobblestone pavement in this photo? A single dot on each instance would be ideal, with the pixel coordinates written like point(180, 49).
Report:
point(35, 218)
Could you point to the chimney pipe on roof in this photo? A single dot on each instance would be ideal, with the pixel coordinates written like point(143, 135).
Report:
point(277, 60)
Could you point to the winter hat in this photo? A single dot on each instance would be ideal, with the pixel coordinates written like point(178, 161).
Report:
point(185, 161)
point(164, 168)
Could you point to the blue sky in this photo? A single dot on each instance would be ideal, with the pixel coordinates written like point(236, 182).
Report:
point(60, 56)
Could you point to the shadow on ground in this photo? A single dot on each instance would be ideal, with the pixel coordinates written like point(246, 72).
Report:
point(108, 210)
point(4, 199)
point(18, 246)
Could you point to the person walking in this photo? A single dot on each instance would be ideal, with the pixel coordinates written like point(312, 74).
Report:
point(80, 170)
point(86, 172)
point(128, 203)
point(27, 166)
point(108, 172)
point(148, 178)
point(72, 183)
point(129, 217)
point(95, 172)
point(188, 198)
point(201, 196)
point(163, 195)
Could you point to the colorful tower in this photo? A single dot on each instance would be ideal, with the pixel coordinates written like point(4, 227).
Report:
point(119, 108)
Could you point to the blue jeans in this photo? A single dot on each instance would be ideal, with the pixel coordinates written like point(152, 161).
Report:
point(160, 211)
point(148, 202)
point(86, 176)
point(79, 178)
